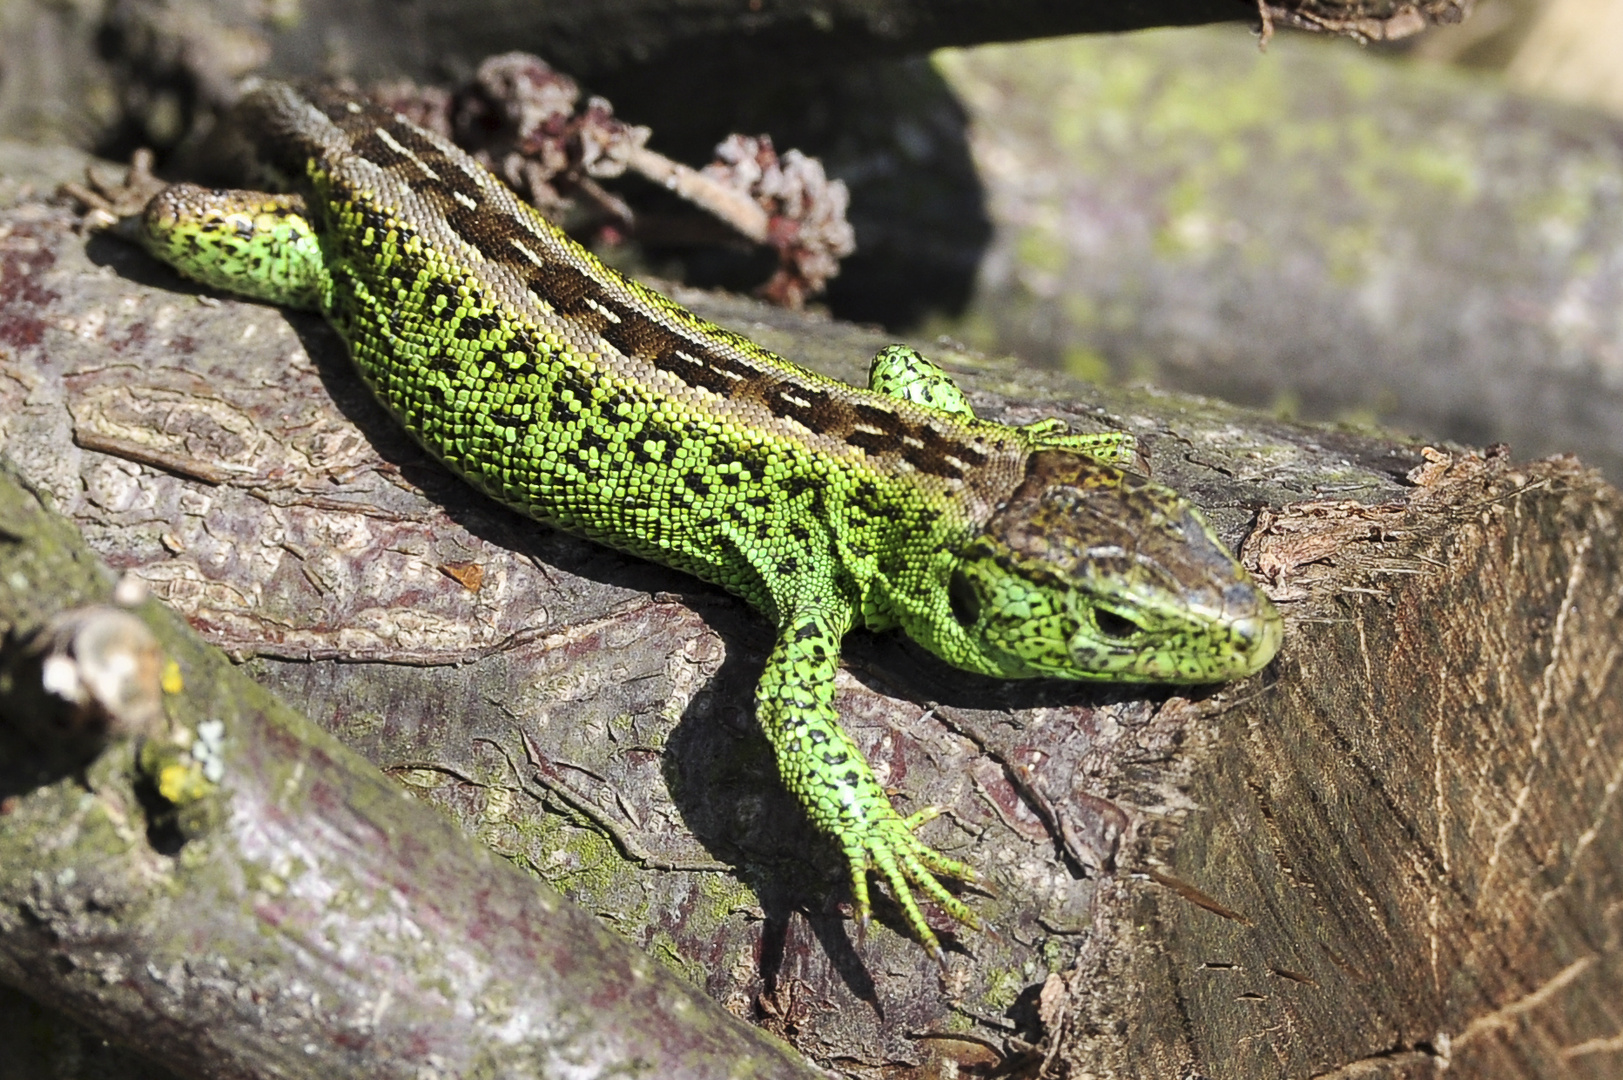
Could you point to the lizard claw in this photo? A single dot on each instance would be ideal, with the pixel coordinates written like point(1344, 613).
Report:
point(906, 863)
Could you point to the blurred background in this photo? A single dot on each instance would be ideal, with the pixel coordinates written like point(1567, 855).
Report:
point(1426, 236)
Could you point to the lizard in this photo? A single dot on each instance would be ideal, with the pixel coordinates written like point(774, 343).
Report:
point(592, 403)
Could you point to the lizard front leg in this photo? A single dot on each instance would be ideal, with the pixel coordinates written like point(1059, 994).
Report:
point(900, 371)
point(824, 769)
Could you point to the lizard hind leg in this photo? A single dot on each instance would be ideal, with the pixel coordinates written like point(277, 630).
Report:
point(245, 242)
point(828, 775)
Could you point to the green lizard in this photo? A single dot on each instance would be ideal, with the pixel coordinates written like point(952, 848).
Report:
point(589, 402)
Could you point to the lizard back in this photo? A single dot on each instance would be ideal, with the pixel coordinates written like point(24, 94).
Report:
point(583, 399)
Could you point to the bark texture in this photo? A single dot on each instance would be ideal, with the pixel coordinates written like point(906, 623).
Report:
point(237, 895)
point(1396, 849)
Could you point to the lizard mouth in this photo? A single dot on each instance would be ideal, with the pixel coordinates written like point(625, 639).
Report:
point(1197, 645)
point(1251, 627)
point(1257, 637)
point(1230, 640)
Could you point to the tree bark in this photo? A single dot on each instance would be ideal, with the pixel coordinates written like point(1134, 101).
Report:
point(223, 887)
point(1396, 848)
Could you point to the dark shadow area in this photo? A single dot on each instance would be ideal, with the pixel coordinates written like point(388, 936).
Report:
point(43, 739)
point(133, 264)
point(894, 665)
point(723, 779)
point(782, 895)
point(891, 130)
point(164, 829)
point(41, 1042)
point(1025, 1013)
point(698, 50)
point(158, 97)
point(24, 766)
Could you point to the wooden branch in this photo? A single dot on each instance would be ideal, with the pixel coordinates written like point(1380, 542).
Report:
point(163, 58)
point(1303, 279)
point(199, 873)
point(1396, 848)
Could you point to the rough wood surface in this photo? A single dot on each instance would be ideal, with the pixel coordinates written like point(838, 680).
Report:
point(1396, 848)
point(1414, 830)
point(292, 914)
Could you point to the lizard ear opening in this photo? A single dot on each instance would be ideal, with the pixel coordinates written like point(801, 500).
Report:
point(965, 601)
point(1114, 625)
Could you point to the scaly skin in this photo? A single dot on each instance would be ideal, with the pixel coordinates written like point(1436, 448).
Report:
point(589, 402)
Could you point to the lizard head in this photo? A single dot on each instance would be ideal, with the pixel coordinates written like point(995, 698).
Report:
point(1090, 572)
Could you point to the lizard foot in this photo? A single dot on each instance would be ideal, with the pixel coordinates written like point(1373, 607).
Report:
point(905, 862)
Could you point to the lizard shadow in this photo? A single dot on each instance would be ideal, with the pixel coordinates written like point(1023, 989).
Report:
point(723, 779)
point(891, 664)
point(720, 771)
point(722, 776)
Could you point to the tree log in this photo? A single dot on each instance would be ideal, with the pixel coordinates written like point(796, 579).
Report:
point(194, 870)
point(1314, 230)
point(1395, 849)
point(79, 72)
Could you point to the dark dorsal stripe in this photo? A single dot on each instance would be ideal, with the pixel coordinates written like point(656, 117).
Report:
point(489, 232)
point(806, 405)
point(938, 446)
point(873, 428)
point(370, 145)
point(874, 442)
point(569, 291)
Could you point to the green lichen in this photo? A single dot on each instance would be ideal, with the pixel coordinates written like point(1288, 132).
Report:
point(664, 948)
point(1087, 363)
point(1003, 987)
point(720, 896)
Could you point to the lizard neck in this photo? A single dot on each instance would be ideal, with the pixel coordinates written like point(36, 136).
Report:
point(909, 583)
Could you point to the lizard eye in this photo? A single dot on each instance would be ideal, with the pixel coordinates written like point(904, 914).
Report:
point(965, 601)
point(1113, 625)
